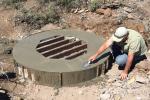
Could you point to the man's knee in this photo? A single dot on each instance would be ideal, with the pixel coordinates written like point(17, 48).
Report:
point(121, 59)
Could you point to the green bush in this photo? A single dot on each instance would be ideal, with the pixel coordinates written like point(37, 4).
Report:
point(68, 4)
point(35, 19)
point(44, 1)
point(94, 4)
point(13, 3)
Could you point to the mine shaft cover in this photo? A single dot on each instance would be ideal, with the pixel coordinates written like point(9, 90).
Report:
point(56, 57)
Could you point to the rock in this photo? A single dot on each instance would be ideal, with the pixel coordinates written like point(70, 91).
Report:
point(1, 49)
point(81, 11)
point(148, 73)
point(80, 92)
point(105, 96)
point(138, 98)
point(8, 50)
point(117, 97)
point(100, 11)
point(130, 16)
point(145, 64)
point(76, 11)
point(111, 80)
point(148, 56)
point(21, 80)
point(17, 98)
point(118, 84)
point(132, 80)
point(107, 12)
point(127, 9)
point(141, 79)
point(140, 28)
point(103, 91)
point(129, 97)
point(50, 27)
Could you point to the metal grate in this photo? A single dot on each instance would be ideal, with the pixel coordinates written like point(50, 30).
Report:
point(57, 47)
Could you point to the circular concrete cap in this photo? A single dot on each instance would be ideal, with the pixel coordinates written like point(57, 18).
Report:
point(62, 71)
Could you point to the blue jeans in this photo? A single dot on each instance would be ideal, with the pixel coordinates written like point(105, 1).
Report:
point(121, 57)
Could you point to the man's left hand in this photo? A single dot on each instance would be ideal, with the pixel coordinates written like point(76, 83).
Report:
point(123, 75)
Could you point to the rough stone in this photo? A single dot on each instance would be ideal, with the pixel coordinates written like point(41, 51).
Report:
point(143, 65)
point(8, 50)
point(1, 49)
point(131, 80)
point(50, 27)
point(117, 97)
point(107, 12)
point(111, 80)
point(117, 83)
point(100, 11)
point(148, 56)
point(105, 96)
point(81, 11)
point(149, 77)
point(141, 79)
point(127, 9)
point(17, 98)
point(135, 26)
point(130, 16)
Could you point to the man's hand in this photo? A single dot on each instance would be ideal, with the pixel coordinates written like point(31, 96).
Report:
point(92, 58)
point(123, 75)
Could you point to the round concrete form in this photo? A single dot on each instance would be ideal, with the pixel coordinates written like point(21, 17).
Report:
point(51, 71)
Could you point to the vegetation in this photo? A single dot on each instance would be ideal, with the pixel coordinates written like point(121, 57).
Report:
point(48, 11)
point(36, 19)
point(13, 3)
point(94, 4)
point(66, 5)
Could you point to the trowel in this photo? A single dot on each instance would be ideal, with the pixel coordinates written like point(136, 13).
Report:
point(87, 64)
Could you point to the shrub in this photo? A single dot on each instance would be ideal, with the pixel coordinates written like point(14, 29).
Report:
point(94, 4)
point(68, 4)
point(35, 20)
point(13, 3)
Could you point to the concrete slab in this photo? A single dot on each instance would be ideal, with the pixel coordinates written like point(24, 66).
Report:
point(26, 55)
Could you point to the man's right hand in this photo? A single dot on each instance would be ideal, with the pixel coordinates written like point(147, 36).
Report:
point(92, 58)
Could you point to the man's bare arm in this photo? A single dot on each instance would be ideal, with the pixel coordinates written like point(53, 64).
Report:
point(128, 65)
point(129, 62)
point(102, 48)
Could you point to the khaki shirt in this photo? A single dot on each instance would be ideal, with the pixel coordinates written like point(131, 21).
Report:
point(134, 44)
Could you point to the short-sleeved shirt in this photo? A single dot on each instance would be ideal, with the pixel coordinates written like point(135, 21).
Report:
point(134, 44)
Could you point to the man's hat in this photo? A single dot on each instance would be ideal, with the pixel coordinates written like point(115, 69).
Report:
point(120, 33)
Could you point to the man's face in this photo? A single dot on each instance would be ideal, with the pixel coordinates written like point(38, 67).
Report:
point(124, 39)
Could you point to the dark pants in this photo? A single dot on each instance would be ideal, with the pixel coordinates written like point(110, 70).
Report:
point(121, 57)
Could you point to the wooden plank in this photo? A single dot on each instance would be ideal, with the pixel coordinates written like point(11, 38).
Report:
point(49, 41)
point(69, 51)
point(61, 48)
point(76, 54)
point(52, 46)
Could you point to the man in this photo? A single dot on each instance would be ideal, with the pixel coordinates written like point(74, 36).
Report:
point(128, 48)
